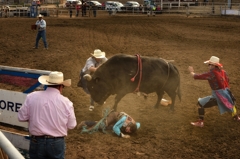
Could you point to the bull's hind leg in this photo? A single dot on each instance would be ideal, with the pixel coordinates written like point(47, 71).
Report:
point(173, 98)
point(160, 95)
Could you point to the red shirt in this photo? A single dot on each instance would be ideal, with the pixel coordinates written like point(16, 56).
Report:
point(217, 78)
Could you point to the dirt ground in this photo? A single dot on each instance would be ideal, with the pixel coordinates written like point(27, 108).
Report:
point(187, 41)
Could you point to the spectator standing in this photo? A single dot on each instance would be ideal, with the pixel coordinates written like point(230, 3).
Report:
point(158, 8)
point(77, 10)
point(70, 10)
point(41, 28)
point(140, 8)
point(94, 7)
point(84, 9)
point(110, 9)
point(205, 2)
point(103, 5)
point(49, 115)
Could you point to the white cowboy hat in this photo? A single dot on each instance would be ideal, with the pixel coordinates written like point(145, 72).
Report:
point(98, 54)
point(214, 61)
point(40, 16)
point(54, 78)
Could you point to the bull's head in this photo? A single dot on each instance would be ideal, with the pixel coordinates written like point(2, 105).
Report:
point(98, 88)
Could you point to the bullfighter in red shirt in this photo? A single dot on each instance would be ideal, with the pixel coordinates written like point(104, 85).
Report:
point(221, 94)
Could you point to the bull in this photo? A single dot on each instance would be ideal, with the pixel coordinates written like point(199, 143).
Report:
point(123, 74)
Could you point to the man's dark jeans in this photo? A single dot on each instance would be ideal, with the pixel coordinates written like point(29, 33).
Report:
point(50, 148)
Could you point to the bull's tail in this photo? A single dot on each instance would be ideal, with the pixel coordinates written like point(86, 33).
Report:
point(179, 91)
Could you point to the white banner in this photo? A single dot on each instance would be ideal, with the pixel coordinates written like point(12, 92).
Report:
point(10, 103)
point(230, 12)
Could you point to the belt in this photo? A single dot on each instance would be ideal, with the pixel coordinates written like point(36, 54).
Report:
point(45, 137)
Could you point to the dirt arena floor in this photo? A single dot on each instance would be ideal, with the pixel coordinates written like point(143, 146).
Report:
point(187, 41)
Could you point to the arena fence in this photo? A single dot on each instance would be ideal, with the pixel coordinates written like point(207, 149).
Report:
point(24, 81)
point(203, 9)
point(7, 149)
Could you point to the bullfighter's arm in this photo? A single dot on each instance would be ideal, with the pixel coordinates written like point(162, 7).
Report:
point(191, 70)
point(117, 127)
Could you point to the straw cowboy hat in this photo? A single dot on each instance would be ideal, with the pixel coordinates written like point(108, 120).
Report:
point(40, 16)
point(98, 54)
point(54, 78)
point(214, 61)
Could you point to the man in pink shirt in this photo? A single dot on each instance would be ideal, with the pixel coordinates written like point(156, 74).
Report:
point(49, 115)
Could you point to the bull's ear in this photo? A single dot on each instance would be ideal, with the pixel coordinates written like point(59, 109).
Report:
point(87, 77)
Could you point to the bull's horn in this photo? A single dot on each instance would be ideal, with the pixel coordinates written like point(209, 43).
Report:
point(87, 77)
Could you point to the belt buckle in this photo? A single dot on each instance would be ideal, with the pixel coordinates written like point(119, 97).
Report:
point(48, 137)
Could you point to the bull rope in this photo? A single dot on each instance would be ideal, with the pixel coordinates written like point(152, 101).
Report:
point(138, 70)
point(101, 124)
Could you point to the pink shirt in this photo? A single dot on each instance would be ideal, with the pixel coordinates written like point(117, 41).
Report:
point(48, 113)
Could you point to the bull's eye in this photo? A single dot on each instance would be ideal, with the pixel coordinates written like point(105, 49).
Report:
point(92, 86)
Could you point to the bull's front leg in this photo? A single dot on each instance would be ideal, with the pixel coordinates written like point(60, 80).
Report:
point(117, 100)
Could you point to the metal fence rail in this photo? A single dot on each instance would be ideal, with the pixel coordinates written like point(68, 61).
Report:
point(204, 9)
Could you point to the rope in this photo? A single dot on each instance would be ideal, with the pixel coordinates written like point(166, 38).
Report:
point(138, 70)
point(100, 124)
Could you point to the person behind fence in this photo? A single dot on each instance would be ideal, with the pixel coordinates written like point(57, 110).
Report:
point(70, 10)
point(49, 115)
point(205, 2)
point(77, 10)
point(6, 11)
point(41, 28)
point(120, 122)
point(221, 94)
point(94, 7)
point(96, 60)
point(84, 9)
point(110, 9)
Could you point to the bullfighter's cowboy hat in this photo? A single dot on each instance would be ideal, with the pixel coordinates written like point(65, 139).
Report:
point(54, 78)
point(40, 16)
point(98, 54)
point(214, 61)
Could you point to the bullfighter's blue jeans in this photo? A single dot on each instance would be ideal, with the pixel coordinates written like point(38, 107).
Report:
point(41, 34)
point(50, 148)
